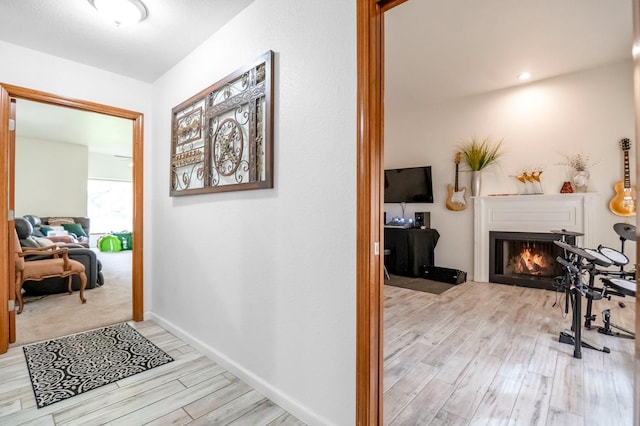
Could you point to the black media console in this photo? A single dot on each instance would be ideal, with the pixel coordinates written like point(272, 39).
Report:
point(411, 249)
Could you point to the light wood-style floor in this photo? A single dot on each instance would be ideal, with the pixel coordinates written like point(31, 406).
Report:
point(479, 353)
point(190, 390)
point(485, 353)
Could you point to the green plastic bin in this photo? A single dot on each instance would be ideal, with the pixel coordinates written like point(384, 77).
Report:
point(109, 243)
point(125, 239)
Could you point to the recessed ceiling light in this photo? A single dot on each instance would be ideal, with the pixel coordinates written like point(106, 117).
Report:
point(122, 12)
point(524, 76)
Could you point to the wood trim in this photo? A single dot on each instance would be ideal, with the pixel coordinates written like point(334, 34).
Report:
point(369, 227)
point(636, 92)
point(369, 198)
point(137, 271)
point(6, 92)
point(6, 261)
point(389, 4)
point(48, 98)
point(11, 174)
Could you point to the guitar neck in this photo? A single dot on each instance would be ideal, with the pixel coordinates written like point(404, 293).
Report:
point(456, 182)
point(627, 179)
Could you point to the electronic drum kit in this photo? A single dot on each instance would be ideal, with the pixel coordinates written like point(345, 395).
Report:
point(620, 282)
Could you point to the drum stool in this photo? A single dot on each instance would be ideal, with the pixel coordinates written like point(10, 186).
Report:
point(386, 252)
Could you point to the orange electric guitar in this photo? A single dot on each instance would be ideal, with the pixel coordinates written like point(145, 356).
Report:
point(624, 202)
point(456, 198)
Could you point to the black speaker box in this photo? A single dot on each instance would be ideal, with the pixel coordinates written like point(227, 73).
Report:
point(445, 275)
point(422, 219)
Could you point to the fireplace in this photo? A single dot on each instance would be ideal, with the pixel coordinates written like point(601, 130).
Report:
point(528, 213)
point(524, 258)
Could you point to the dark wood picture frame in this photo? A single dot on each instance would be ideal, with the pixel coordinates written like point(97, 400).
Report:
point(222, 137)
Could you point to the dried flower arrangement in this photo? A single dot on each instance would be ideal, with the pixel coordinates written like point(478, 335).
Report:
point(579, 162)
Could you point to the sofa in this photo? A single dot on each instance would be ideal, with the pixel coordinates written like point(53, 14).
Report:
point(77, 227)
point(92, 265)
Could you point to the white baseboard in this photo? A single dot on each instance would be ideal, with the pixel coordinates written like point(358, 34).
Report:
point(291, 405)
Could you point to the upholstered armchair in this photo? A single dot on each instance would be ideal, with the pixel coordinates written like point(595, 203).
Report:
point(57, 264)
point(83, 255)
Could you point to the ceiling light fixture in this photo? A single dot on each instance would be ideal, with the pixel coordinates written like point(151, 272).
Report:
point(524, 76)
point(122, 12)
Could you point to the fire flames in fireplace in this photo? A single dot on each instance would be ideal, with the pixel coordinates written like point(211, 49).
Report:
point(524, 258)
point(529, 259)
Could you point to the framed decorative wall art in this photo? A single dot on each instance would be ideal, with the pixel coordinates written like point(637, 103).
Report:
point(222, 138)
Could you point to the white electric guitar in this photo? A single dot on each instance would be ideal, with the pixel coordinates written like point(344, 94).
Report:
point(456, 199)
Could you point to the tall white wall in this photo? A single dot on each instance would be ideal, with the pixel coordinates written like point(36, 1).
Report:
point(50, 178)
point(264, 280)
point(587, 112)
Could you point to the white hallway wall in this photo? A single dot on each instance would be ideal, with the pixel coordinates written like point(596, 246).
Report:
point(264, 280)
point(264, 295)
point(586, 112)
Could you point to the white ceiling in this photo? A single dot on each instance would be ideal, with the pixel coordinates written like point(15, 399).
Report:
point(436, 49)
point(72, 29)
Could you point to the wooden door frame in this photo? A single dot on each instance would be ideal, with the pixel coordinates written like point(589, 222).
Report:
point(11, 175)
point(6, 261)
point(636, 93)
point(369, 236)
point(370, 165)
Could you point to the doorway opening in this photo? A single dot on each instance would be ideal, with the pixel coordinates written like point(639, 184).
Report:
point(8, 95)
point(370, 153)
point(62, 156)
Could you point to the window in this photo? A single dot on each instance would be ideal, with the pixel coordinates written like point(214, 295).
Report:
point(110, 205)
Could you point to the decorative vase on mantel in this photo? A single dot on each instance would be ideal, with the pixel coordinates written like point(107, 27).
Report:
point(479, 154)
point(476, 183)
point(580, 180)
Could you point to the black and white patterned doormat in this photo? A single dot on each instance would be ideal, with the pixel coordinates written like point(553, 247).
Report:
point(68, 366)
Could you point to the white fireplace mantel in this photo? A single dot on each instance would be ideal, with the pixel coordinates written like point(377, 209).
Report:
point(528, 213)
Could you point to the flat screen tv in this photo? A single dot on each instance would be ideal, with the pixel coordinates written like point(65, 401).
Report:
point(409, 185)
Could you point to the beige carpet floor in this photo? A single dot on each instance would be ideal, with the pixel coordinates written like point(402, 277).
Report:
point(51, 316)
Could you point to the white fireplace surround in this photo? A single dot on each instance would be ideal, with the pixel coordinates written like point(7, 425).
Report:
point(528, 213)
